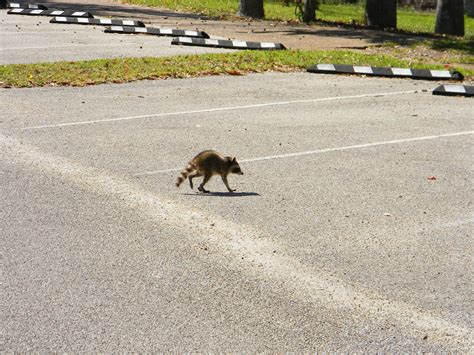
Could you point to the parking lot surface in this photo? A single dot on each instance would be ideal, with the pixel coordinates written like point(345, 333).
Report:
point(32, 39)
point(350, 230)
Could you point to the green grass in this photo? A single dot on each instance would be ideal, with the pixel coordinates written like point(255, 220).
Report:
point(408, 20)
point(131, 69)
point(465, 45)
point(214, 8)
point(416, 21)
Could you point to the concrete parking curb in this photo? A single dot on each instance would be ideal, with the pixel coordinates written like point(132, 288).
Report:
point(229, 44)
point(156, 31)
point(96, 21)
point(49, 12)
point(423, 74)
point(17, 5)
point(454, 90)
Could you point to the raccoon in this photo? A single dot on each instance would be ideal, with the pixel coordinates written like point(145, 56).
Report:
point(207, 164)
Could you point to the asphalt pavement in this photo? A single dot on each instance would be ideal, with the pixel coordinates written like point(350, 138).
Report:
point(351, 229)
point(33, 39)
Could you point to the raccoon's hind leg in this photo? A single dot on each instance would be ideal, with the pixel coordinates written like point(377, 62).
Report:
point(192, 176)
point(206, 179)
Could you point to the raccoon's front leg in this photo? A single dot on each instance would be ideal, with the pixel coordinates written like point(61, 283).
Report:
point(206, 179)
point(224, 178)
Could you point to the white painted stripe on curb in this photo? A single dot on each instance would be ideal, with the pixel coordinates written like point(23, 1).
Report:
point(363, 70)
point(185, 40)
point(230, 108)
point(455, 88)
point(330, 67)
point(267, 45)
point(441, 73)
point(231, 241)
point(239, 44)
point(212, 42)
point(402, 71)
point(190, 33)
point(326, 150)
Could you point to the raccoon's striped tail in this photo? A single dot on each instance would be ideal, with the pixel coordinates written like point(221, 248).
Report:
point(185, 173)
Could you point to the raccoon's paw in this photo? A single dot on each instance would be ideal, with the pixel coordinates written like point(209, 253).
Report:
point(202, 189)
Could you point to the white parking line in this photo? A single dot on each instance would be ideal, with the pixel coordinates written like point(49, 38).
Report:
point(231, 241)
point(16, 33)
point(457, 223)
point(229, 108)
point(449, 226)
point(326, 150)
point(70, 45)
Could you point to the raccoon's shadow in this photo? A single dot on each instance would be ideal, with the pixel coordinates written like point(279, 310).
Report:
point(224, 194)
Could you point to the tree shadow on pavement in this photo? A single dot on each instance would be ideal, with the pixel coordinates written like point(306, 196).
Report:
point(120, 10)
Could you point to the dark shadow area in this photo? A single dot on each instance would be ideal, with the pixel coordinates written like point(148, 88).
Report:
point(358, 26)
point(224, 194)
point(466, 45)
point(380, 37)
point(120, 10)
point(372, 36)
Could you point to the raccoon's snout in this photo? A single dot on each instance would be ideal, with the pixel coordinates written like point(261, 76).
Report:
point(236, 170)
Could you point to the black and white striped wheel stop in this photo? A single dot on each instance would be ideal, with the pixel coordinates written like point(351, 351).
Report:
point(50, 12)
point(230, 44)
point(96, 21)
point(19, 5)
point(454, 90)
point(424, 74)
point(156, 31)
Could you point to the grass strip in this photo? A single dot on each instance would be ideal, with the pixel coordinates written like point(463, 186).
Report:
point(121, 70)
point(407, 18)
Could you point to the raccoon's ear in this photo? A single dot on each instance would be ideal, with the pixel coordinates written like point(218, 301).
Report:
point(234, 160)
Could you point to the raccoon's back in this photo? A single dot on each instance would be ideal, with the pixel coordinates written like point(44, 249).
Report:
point(210, 161)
